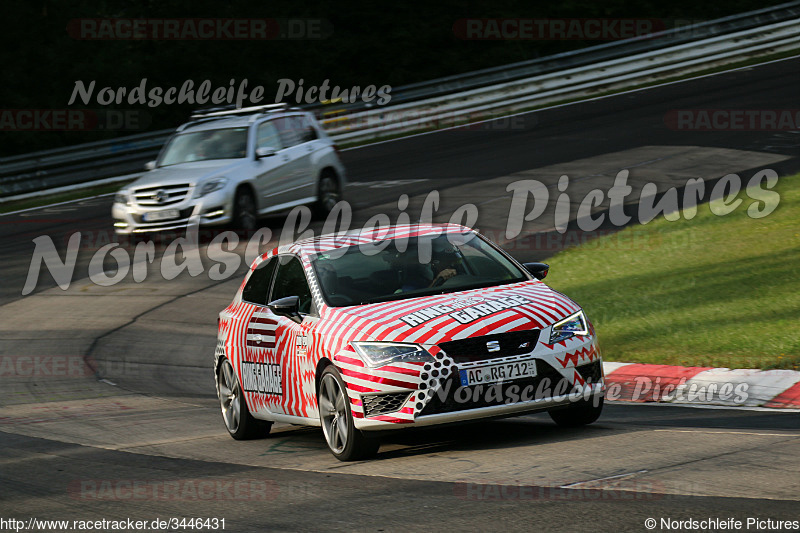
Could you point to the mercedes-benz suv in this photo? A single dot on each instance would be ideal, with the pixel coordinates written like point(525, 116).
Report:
point(230, 167)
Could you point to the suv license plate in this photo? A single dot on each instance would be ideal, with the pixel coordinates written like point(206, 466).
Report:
point(497, 373)
point(167, 214)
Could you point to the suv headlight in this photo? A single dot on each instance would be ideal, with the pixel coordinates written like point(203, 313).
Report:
point(575, 324)
point(122, 197)
point(377, 354)
point(214, 184)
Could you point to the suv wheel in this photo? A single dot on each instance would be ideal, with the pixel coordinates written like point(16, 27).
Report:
point(329, 192)
point(244, 211)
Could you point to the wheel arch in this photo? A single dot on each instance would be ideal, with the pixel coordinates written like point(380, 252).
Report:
point(248, 187)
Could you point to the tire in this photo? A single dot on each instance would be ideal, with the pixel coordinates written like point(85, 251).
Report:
point(580, 413)
point(245, 215)
point(345, 442)
point(237, 418)
point(329, 193)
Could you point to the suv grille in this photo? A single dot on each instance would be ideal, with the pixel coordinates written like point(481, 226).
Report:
point(377, 404)
point(161, 196)
point(479, 397)
point(491, 346)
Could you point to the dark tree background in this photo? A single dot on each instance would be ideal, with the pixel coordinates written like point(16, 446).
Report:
point(378, 43)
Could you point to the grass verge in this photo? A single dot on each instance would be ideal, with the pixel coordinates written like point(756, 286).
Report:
point(720, 291)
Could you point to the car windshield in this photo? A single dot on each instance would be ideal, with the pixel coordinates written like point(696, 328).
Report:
point(447, 263)
point(228, 143)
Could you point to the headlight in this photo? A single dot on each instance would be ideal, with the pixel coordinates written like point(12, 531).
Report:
point(569, 327)
point(377, 354)
point(210, 186)
point(122, 197)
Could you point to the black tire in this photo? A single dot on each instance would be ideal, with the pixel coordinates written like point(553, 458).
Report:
point(329, 193)
point(345, 442)
point(237, 418)
point(245, 214)
point(579, 413)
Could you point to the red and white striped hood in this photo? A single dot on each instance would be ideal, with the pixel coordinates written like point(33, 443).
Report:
point(440, 318)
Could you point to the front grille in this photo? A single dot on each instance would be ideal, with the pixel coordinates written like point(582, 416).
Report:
point(450, 398)
point(162, 195)
point(378, 404)
point(478, 348)
point(590, 373)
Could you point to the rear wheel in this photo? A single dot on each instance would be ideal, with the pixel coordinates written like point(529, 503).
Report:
point(238, 420)
point(245, 217)
point(329, 193)
point(579, 413)
point(345, 442)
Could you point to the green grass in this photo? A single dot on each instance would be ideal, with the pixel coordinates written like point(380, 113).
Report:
point(712, 291)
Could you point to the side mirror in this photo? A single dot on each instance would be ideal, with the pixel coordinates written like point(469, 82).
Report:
point(288, 307)
point(538, 270)
point(150, 165)
point(265, 151)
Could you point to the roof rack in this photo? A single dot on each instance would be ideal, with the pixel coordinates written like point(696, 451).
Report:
point(221, 111)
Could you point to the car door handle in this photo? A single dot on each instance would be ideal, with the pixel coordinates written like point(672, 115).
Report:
point(310, 148)
point(286, 158)
point(258, 338)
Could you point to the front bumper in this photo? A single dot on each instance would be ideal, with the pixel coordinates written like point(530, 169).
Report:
point(211, 210)
point(566, 372)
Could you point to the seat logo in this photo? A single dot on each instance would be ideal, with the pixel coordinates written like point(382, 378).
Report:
point(493, 346)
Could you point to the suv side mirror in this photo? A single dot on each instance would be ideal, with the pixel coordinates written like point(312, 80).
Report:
point(538, 270)
point(288, 307)
point(265, 151)
point(150, 165)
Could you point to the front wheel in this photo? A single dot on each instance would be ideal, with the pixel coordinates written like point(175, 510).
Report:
point(245, 217)
point(579, 413)
point(238, 420)
point(345, 442)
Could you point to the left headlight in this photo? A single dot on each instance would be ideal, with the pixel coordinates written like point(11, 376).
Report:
point(214, 184)
point(575, 324)
point(122, 197)
point(377, 354)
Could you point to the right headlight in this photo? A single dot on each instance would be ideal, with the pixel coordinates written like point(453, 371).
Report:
point(122, 197)
point(575, 324)
point(377, 354)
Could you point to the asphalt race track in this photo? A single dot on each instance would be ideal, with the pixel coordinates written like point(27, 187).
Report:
point(147, 440)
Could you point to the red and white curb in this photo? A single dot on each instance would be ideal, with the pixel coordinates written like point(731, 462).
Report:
point(702, 385)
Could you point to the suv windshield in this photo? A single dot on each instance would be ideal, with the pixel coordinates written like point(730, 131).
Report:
point(456, 263)
point(228, 143)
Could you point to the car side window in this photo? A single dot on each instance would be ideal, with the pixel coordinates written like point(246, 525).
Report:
point(268, 136)
point(308, 133)
point(290, 129)
point(291, 281)
point(257, 288)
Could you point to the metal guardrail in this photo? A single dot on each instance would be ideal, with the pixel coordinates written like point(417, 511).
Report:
point(488, 92)
point(504, 98)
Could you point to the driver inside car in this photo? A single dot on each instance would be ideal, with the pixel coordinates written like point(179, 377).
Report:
point(445, 264)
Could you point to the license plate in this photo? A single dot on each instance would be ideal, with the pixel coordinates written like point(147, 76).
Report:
point(167, 214)
point(497, 373)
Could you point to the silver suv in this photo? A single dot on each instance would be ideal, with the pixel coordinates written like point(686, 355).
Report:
point(229, 168)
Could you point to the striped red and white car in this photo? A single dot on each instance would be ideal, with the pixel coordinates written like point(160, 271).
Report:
point(411, 325)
